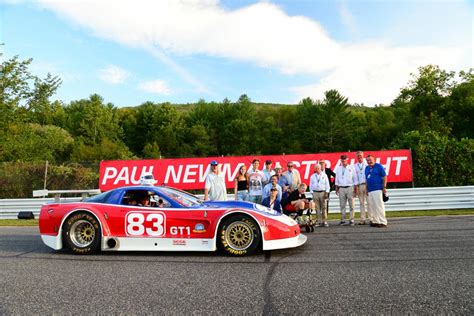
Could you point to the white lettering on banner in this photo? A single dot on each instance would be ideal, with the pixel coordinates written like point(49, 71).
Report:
point(308, 165)
point(297, 164)
point(328, 163)
point(188, 173)
point(202, 173)
point(110, 173)
point(134, 180)
point(399, 164)
point(385, 166)
point(171, 171)
point(122, 176)
point(132, 176)
point(226, 169)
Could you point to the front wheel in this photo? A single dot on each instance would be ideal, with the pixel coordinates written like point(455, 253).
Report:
point(239, 235)
point(81, 233)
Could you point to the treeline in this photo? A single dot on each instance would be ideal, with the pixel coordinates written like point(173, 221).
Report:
point(432, 115)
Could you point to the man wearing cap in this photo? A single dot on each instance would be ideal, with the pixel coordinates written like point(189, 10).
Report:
point(273, 184)
point(267, 172)
point(319, 187)
point(255, 177)
point(346, 188)
point(214, 188)
point(362, 190)
point(376, 187)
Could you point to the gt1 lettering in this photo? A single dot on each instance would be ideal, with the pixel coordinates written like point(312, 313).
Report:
point(180, 230)
point(152, 225)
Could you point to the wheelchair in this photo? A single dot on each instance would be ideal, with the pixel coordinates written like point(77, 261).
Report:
point(306, 219)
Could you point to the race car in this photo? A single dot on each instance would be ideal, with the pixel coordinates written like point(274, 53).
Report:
point(160, 218)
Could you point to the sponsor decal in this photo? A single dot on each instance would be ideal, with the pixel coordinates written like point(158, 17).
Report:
point(199, 228)
point(179, 242)
point(190, 173)
point(205, 242)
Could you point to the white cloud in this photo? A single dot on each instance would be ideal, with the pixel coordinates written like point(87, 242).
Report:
point(348, 19)
point(155, 86)
point(113, 74)
point(262, 34)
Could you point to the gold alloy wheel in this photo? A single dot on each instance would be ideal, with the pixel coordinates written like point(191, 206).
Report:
point(82, 233)
point(239, 235)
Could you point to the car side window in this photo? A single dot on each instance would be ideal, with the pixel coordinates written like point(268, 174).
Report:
point(137, 198)
point(158, 201)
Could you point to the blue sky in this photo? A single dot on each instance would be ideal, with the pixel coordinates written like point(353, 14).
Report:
point(274, 51)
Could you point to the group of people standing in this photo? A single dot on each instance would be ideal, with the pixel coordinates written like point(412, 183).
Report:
point(284, 191)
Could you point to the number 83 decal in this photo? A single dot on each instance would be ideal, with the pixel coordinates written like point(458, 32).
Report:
point(148, 224)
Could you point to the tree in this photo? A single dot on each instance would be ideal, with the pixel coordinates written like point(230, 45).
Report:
point(92, 120)
point(426, 94)
point(34, 142)
point(25, 97)
point(438, 160)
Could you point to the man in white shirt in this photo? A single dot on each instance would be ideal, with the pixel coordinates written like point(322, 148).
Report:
point(319, 187)
point(267, 172)
point(214, 188)
point(255, 177)
point(362, 189)
point(346, 188)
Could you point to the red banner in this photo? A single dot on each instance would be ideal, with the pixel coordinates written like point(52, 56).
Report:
point(190, 173)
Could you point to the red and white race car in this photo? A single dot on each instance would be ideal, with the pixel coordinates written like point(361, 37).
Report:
point(151, 218)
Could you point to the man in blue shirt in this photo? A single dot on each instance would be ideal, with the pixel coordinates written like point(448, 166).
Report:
point(376, 181)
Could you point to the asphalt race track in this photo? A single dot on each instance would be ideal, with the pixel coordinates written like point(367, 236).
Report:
point(421, 265)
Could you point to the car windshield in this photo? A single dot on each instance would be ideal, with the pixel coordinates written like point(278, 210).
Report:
point(182, 197)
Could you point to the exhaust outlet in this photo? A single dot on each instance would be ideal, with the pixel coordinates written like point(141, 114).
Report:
point(112, 243)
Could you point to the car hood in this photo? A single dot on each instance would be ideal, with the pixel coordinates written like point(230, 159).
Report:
point(242, 204)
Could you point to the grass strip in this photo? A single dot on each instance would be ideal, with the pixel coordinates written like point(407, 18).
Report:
point(469, 211)
point(18, 222)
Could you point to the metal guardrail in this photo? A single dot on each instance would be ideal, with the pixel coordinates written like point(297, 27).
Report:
point(412, 199)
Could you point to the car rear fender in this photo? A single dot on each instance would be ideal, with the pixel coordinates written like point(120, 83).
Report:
point(105, 231)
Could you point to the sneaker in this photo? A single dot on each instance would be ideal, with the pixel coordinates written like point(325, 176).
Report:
point(351, 223)
point(342, 223)
point(326, 225)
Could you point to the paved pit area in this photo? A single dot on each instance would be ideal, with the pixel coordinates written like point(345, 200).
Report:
point(422, 265)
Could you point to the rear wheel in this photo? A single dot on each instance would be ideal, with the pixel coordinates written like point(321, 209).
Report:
point(239, 235)
point(81, 233)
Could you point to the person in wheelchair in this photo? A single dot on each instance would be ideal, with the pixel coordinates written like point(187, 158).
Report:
point(297, 202)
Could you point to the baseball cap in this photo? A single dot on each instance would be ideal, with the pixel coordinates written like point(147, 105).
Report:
point(343, 157)
point(268, 162)
point(214, 163)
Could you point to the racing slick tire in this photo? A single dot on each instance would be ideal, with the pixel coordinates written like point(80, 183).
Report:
point(81, 233)
point(239, 235)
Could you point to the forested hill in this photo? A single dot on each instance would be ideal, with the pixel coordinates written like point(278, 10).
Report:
point(432, 115)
